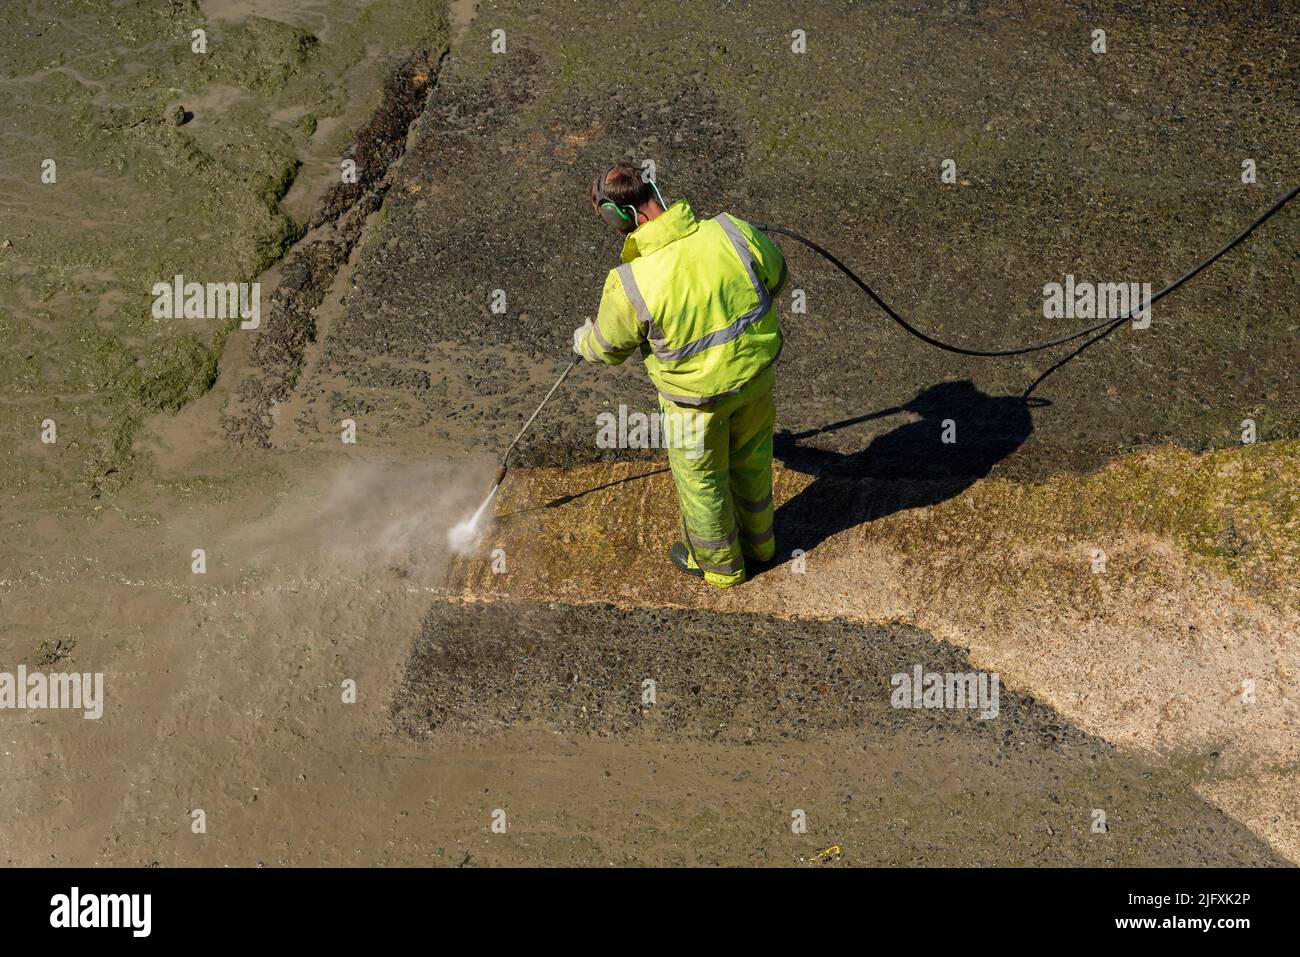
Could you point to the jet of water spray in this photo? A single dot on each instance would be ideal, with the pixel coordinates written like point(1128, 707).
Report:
point(464, 536)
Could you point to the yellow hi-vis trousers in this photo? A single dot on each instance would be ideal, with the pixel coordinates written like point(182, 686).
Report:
point(721, 459)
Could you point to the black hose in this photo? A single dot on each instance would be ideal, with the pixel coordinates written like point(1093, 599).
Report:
point(1108, 324)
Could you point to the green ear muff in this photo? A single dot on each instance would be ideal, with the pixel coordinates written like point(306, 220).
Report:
point(618, 216)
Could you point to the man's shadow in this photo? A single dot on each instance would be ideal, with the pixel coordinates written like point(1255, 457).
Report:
point(960, 435)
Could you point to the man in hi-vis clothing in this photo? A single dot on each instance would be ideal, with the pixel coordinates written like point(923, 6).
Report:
point(696, 299)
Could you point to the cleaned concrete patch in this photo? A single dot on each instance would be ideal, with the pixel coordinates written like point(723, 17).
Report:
point(1166, 650)
point(798, 711)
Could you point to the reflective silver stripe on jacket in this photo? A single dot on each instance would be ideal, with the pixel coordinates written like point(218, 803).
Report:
point(701, 399)
point(658, 342)
point(601, 341)
point(647, 321)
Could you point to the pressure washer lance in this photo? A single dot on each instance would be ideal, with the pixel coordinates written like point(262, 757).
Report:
point(464, 535)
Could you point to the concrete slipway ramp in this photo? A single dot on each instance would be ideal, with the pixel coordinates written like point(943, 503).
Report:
point(1071, 164)
point(514, 679)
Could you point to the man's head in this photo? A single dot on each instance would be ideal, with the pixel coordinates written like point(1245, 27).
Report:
point(623, 199)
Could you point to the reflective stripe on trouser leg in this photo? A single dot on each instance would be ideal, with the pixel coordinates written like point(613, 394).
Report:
point(698, 452)
point(750, 463)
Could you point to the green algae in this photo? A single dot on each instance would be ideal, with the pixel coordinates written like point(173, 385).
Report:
point(140, 198)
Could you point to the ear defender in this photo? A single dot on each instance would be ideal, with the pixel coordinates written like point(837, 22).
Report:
point(620, 218)
point(615, 217)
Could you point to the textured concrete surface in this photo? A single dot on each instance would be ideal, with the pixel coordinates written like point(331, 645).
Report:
point(1123, 166)
point(906, 786)
point(1127, 591)
point(165, 161)
point(1193, 602)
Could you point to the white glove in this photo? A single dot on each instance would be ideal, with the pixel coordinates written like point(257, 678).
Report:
point(579, 335)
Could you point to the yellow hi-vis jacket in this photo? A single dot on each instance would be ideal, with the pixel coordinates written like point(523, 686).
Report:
point(697, 300)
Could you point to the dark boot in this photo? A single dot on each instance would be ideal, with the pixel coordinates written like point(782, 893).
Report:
point(680, 557)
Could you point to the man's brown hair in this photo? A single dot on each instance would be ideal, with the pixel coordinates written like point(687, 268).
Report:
point(624, 186)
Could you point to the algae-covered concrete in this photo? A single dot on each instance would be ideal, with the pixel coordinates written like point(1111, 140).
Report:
point(136, 150)
point(1122, 166)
